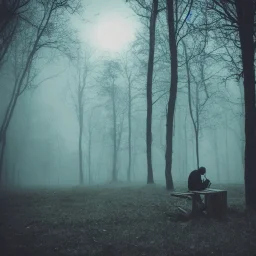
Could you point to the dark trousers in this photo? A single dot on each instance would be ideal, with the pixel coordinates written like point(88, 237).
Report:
point(198, 198)
point(200, 202)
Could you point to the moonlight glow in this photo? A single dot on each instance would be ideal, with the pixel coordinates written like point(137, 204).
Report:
point(113, 33)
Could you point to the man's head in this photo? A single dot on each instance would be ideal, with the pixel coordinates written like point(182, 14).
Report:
point(202, 170)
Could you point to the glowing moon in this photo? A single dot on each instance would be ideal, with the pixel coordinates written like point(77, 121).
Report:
point(113, 33)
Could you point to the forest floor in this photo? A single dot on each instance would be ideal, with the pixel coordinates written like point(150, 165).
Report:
point(121, 220)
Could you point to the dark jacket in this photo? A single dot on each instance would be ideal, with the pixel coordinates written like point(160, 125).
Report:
point(195, 181)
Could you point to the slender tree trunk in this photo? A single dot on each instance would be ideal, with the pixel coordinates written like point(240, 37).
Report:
point(81, 174)
point(216, 151)
point(134, 155)
point(181, 154)
point(89, 156)
point(3, 145)
point(241, 127)
point(227, 150)
point(133, 165)
point(197, 149)
point(186, 148)
point(173, 94)
point(245, 13)
point(152, 28)
point(197, 125)
point(129, 133)
point(194, 122)
point(4, 129)
point(8, 110)
point(114, 170)
point(16, 92)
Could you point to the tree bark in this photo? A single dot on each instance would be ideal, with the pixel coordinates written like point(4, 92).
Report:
point(173, 94)
point(245, 14)
point(152, 28)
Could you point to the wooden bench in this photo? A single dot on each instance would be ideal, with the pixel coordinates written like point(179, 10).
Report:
point(215, 201)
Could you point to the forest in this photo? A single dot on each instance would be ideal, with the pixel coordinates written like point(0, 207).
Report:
point(116, 102)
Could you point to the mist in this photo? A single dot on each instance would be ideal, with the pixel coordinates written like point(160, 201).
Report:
point(42, 139)
point(113, 104)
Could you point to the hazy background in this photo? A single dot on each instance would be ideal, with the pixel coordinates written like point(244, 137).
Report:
point(42, 146)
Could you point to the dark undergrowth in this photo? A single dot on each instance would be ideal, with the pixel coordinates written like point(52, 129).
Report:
point(122, 220)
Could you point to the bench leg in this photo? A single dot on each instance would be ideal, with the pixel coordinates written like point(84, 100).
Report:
point(216, 204)
point(194, 206)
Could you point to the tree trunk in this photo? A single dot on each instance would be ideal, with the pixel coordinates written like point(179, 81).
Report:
point(197, 125)
point(186, 148)
point(3, 145)
point(216, 151)
point(4, 128)
point(245, 13)
point(152, 28)
point(129, 133)
point(16, 92)
point(197, 149)
point(81, 174)
point(172, 97)
point(227, 150)
point(194, 122)
point(241, 127)
point(89, 156)
point(114, 170)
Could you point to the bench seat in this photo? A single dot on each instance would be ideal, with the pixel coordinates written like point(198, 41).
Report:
point(215, 201)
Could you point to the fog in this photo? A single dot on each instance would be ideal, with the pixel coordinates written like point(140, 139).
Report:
point(42, 141)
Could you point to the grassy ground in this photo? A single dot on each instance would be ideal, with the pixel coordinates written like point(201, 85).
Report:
point(119, 221)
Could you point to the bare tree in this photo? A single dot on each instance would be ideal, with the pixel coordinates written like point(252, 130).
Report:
point(11, 13)
point(130, 74)
point(152, 27)
point(237, 20)
point(91, 125)
point(173, 93)
point(200, 99)
point(83, 69)
point(216, 151)
point(44, 28)
point(245, 15)
point(109, 88)
point(150, 12)
point(175, 25)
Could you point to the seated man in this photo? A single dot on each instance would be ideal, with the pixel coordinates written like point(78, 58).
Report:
point(194, 180)
point(195, 183)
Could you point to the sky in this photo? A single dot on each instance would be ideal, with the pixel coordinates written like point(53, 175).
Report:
point(97, 13)
point(107, 25)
